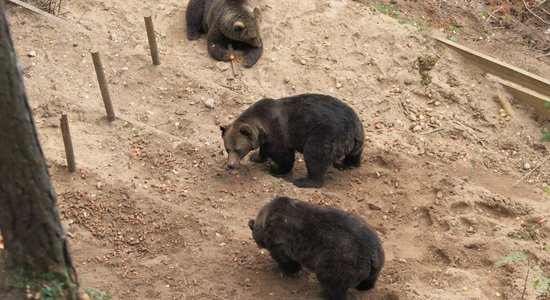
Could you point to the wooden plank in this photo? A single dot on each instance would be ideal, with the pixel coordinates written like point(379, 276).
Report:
point(502, 69)
point(527, 96)
point(34, 9)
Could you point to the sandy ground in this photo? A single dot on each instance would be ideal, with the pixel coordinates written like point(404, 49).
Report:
point(152, 213)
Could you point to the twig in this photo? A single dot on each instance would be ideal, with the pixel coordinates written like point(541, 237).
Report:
point(234, 68)
point(533, 13)
point(532, 170)
point(525, 283)
point(472, 134)
point(541, 56)
point(432, 131)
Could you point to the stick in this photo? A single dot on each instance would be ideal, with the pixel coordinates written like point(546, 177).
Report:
point(532, 170)
point(505, 102)
point(34, 9)
point(234, 68)
point(103, 85)
point(152, 40)
point(525, 283)
point(472, 134)
point(533, 13)
point(67, 142)
point(432, 131)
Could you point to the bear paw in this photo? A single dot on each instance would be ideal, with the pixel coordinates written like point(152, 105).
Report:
point(308, 183)
point(290, 267)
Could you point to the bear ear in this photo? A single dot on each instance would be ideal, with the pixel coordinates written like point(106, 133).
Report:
point(246, 131)
point(256, 13)
point(223, 128)
point(251, 224)
point(238, 26)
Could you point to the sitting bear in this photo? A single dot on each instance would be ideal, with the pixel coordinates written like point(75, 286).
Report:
point(323, 128)
point(224, 22)
point(341, 249)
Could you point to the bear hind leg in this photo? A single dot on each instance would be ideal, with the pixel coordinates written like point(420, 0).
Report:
point(350, 161)
point(193, 18)
point(369, 282)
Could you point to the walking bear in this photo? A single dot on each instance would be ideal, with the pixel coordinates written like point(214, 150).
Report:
point(224, 22)
point(342, 250)
point(323, 128)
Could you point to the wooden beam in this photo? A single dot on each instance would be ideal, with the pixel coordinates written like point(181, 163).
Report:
point(502, 69)
point(527, 96)
point(34, 9)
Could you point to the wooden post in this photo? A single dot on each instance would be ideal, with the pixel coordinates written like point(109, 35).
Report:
point(152, 40)
point(67, 142)
point(103, 85)
point(234, 67)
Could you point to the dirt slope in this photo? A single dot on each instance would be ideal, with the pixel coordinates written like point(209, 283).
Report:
point(153, 214)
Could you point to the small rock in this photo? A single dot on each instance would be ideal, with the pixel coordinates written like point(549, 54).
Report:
point(210, 103)
point(417, 128)
point(380, 78)
point(527, 166)
point(287, 80)
point(31, 54)
point(471, 229)
point(373, 207)
point(222, 66)
point(439, 195)
point(338, 85)
point(402, 260)
point(303, 62)
point(412, 117)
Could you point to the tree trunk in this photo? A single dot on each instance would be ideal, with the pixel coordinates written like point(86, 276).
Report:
point(34, 239)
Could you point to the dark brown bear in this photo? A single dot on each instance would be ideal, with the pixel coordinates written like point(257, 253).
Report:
point(323, 128)
point(224, 22)
point(342, 250)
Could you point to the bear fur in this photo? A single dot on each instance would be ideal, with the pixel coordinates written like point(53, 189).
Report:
point(323, 128)
point(342, 249)
point(224, 22)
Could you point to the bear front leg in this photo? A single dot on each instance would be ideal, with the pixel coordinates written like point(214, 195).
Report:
point(217, 45)
point(193, 18)
point(286, 264)
point(259, 156)
point(253, 55)
point(283, 159)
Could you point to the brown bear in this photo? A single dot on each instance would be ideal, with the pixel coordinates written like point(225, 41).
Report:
point(341, 248)
point(323, 128)
point(224, 22)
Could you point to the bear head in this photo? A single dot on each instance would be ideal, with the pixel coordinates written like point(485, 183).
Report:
point(242, 23)
point(239, 139)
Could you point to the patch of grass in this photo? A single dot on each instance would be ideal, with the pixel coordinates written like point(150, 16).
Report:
point(45, 284)
point(511, 258)
point(485, 15)
point(453, 32)
point(547, 190)
point(387, 10)
point(541, 284)
point(390, 11)
point(546, 136)
point(53, 292)
point(97, 294)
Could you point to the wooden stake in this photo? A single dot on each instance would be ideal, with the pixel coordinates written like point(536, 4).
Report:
point(103, 85)
point(505, 102)
point(67, 142)
point(152, 40)
point(234, 67)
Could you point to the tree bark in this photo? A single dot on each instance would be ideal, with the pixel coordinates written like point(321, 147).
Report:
point(34, 239)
